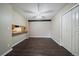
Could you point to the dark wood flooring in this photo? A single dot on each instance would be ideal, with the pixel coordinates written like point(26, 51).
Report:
point(38, 47)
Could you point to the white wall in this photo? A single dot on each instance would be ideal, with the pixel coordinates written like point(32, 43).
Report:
point(5, 27)
point(9, 16)
point(40, 29)
point(18, 19)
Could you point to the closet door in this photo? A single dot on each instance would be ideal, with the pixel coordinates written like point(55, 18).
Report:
point(63, 42)
point(70, 31)
point(66, 31)
point(75, 31)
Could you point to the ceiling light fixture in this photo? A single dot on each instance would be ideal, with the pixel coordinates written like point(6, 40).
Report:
point(38, 16)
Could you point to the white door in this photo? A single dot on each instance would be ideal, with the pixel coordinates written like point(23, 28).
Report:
point(75, 31)
point(66, 31)
point(63, 31)
point(70, 31)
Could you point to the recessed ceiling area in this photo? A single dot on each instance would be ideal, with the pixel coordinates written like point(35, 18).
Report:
point(36, 11)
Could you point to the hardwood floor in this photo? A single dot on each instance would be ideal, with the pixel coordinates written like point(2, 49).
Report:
point(38, 47)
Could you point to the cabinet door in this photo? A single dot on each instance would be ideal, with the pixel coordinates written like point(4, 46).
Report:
point(75, 31)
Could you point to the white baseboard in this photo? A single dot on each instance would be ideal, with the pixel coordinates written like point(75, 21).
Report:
point(57, 42)
point(75, 54)
point(17, 43)
point(7, 52)
point(40, 36)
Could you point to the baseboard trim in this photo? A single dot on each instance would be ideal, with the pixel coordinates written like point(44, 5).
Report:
point(57, 42)
point(75, 54)
point(7, 52)
point(39, 37)
point(17, 42)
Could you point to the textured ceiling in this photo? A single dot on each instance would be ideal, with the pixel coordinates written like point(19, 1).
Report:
point(35, 11)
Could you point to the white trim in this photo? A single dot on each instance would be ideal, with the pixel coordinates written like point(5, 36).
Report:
point(7, 52)
point(56, 41)
point(71, 8)
point(40, 36)
point(17, 43)
point(75, 54)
